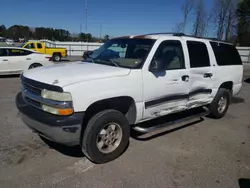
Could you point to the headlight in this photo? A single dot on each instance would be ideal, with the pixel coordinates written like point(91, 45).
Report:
point(57, 96)
point(57, 111)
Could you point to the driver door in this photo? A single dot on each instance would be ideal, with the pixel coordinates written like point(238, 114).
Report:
point(166, 90)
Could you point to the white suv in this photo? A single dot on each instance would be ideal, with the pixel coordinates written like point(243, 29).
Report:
point(127, 81)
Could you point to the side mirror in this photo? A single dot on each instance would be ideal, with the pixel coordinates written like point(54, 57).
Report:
point(155, 66)
point(86, 54)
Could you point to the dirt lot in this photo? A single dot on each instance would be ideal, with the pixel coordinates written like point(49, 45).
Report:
point(209, 154)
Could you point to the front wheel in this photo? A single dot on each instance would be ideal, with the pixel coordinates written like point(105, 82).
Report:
point(219, 105)
point(106, 136)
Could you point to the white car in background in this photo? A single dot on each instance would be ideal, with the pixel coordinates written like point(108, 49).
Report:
point(14, 60)
point(9, 42)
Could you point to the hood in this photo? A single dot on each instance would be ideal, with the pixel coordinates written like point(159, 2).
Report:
point(64, 74)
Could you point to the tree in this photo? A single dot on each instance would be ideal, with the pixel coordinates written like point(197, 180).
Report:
point(186, 10)
point(199, 24)
point(106, 38)
point(243, 27)
point(2, 31)
point(224, 17)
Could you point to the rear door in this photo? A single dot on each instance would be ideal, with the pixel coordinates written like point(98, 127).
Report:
point(4, 61)
point(201, 74)
point(19, 59)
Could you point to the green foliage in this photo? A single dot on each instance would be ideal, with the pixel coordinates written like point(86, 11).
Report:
point(19, 31)
point(243, 27)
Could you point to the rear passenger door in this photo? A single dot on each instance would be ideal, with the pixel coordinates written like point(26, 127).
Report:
point(4, 61)
point(201, 74)
point(19, 59)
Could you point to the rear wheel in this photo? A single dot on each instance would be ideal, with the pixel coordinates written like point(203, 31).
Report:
point(34, 65)
point(106, 136)
point(219, 105)
point(57, 57)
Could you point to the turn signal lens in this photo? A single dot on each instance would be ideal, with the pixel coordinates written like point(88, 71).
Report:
point(57, 111)
point(65, 112)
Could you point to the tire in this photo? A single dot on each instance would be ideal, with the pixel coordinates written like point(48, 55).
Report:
point(91, 136)
point(217, 111)
point(34, 65)
point(57, 57)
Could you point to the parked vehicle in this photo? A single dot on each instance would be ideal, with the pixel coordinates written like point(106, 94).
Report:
point(57, 53)
point(126, 82)
point(9, 42)
point(14, 60)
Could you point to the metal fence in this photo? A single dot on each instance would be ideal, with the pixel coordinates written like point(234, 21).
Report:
point(244, 54)
point(73, 48)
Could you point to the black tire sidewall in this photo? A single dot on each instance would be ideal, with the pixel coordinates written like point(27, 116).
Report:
point(96, 123)
point(35, 65)
point(56, 55)
point(214, 105)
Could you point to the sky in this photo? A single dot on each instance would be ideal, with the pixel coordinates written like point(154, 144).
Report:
point(114, 17)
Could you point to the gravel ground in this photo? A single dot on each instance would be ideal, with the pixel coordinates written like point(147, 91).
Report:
point(208, 154)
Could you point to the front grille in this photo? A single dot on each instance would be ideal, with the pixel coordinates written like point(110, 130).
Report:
point(31, 89)
point(33, 102)
point(31, 93)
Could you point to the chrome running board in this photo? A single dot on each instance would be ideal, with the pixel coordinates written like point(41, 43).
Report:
point(187, 120)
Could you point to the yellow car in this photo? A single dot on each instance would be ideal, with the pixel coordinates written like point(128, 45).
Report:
point(56, 53)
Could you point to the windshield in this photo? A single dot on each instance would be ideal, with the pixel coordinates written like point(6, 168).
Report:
point(127, 53)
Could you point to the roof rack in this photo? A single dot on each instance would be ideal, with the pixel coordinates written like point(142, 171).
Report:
point(167, 33)
point(182, 34)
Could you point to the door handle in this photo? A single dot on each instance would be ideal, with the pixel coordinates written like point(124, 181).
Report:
point(185, 78)
point(207, 75)
point(5, 59)
point(28, 58)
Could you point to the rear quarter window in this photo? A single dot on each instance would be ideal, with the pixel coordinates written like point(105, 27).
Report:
point(226, 54)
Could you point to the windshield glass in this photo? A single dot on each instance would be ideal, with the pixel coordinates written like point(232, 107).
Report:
point(127, 53)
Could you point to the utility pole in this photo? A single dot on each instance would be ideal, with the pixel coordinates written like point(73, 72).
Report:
point(100, 33)
point(80, 36)
point(86, 23)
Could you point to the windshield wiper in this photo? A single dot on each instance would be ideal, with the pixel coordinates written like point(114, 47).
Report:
point(114, 63)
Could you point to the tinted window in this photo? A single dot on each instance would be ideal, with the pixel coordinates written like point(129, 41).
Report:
point(39, 45)
point(3, 52)
point(198, 54)
point(226, 54)
point(170, 55)
point(18, 52)
point(30, 45)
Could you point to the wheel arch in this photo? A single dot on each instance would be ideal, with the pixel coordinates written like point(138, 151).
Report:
point(124, 104)
point(35, 63)
point(227, 85)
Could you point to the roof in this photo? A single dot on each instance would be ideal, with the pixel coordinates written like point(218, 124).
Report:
point(160, 35)
point(19, 48)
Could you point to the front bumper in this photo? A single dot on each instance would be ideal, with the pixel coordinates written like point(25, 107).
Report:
point(61, 129)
